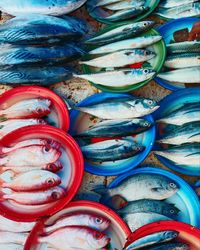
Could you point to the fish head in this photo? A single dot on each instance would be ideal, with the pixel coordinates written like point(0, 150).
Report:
point(138, 147)
point(97, 239)
point(55, 194)
point(50, 154)
point(53, 144)
point(145, 123)
point(148, 73)
point(147, 24)
point(150, 104)
point(169, 235)
point(41, 107)
point(170, 210)
point(54, 167)
point(167, 187)
point(52, 180)
point(99, 222)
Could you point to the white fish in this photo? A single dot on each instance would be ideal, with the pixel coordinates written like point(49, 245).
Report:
point(11, 237)
point(11, 246)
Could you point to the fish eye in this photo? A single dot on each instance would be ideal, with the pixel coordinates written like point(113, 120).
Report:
point(147, 52)
point(50, 181)
point(55, 195)
point(146, 71)
point(172, 211)
point(150, 102)
point(145, 23)
point(172, 185)
point(39, 110)
point(98, 220)
point(51, 166)
point(146, 124)
point(47, 149)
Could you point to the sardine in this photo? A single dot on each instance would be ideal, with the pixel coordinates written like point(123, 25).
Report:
point(50, 7)
point(11, 237)
point(186, 154)
point(120, 33)
point(76, 237)
point(138, 42)
point(32, 181)
point(174, 3)
point(184, 47)
point(121, 108)
point(34, 198)
point(112, 128)
point(170, 246)
point(151, 239)
point(79, 219)
point(182, 61)
point(187, 75)
point(29, 108)
point(119, 78)
point(150, 206)
point(34, 155)
point(186, 133)
point(111, 150)
point(126, 4)
point(120, 58)
point(106, 2)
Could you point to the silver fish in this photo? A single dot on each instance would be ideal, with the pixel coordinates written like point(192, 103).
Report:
point(119, 78)
point(126, 4)
point(138, 42)
point(170, 246)
point(12, 237)
point(174, 3)
point(184, 47)
point(120, 58)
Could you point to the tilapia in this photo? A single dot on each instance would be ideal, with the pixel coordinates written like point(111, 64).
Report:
point(184, 47)
point(120, 58)
point(79, 219)
point(32, 181)
point(186, 133)
point(112, 128)
point(50, 7)
point(182, 61)
point(186, 75)
point(11, 237)
point(150, 206)
point(111, 150)
point(34, 155)
point(28, 108)
point(120, 108)
point(186, 154)
point(151, 239)
point(39, 75)
point(174, 3)
point(170, 246)
point(119, 78)
point(34, 198)
point(140, 219)
point(138, 42)
point(77, 237)
point(10, 125)
point(120, 33)
point(44, 29)
point(126, 4)
point(11, 246)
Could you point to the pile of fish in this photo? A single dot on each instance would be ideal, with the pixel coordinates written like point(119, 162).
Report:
point(23, 113)
point(164, 240)
point(119, 48)
point(140, 199)
point(181, 134)
point(78, 230)
point(184, 59)
point(36, 49)
point(117, 10)
point(32, 166)
point(119, 119)
point(13, 234)
point(172, 9)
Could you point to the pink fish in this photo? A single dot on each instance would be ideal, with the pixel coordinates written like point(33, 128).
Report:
point(32, 181)
point(71, 237)
point(34, 198)
point(80, 219)
point(29, 108)
point(34, 155)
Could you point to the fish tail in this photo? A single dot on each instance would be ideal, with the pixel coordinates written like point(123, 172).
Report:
point(69, 103)
point(104, 192)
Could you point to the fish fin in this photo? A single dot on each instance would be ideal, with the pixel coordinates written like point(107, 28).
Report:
point(117, 202)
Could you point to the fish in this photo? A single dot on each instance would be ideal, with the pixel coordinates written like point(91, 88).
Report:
point(184, 47)
point(15, 226)
point(119, 78)
point(189, 112)
point(12, 237)
point(185, 10)
point(170, 246)
point(186, 154)
point(106, 2)
point(185, 75)
point(187, 133)
point(120, 33)
point(120, 108)
point(34, 155)
point(28, 108)
point(126, 14)
point(152, 206)
point(39, 75)
point(145, 186)
point(32, 55)
point(111, 150)
point(75, 237)
point(112, 128)
point(32, 181)
point(134, 43)
point(44, 30)
point(182, 61)
point(11, 125)
point(126, 4)
point(97, 222)
point(34, 198)
point(137, 220)
point(120, 58)
point(51, 7)
point(11, 246)
point(153, 238)
point(174, 3)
